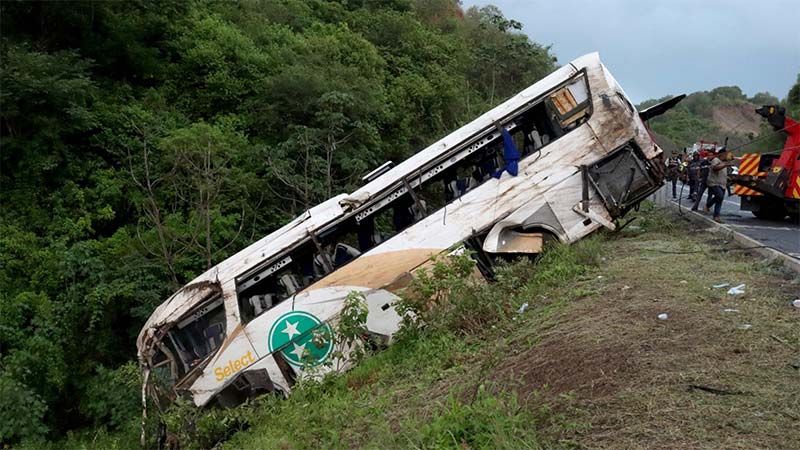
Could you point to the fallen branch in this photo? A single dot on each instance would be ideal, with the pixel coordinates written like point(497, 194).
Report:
point(782, 341)
point(714, 390)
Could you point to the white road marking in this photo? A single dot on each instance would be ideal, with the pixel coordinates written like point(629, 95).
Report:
point(763, 227)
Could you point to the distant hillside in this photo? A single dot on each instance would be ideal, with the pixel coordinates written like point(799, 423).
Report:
point(723, 112)
point(737, 119)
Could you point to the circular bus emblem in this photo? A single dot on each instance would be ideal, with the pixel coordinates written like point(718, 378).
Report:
point(302, 338)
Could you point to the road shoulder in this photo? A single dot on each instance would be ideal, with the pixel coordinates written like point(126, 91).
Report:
point(745, 241)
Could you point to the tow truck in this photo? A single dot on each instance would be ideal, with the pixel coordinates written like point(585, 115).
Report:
point(768, 184)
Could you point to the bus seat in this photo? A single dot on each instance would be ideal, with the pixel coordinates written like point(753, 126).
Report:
point(261, 303)
point(213, 334)
point(536, 138)
point(289, 282)
point(368, 235)
point(319, 266)
point(343, 254)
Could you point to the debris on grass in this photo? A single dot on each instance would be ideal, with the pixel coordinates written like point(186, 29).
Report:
point(522, 308)
point(721, 285)
point(745, 326)
point(730, 310)
point(796, 303)
point(663, 316)
point(736, 290)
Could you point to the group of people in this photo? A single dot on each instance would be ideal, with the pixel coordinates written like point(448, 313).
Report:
point(701, 174)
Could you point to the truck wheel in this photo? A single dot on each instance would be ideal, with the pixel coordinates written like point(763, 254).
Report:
point(770, 210)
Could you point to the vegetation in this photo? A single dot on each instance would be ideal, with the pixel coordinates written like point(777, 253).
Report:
point(144, 141)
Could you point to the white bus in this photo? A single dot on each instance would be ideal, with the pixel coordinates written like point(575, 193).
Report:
point(560, 160)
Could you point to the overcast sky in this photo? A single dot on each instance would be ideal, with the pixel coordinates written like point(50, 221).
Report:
point(660, 47)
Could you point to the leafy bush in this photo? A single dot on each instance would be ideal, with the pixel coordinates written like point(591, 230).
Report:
point(438, 295)
point(204, 428)
point(351, 329)
point(112, 396)
point(21, 412)
point(451, 295)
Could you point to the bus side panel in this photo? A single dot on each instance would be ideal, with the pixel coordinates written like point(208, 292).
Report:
point(235, 354)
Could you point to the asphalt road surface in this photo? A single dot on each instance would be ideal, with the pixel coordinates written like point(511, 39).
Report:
point(783, 235)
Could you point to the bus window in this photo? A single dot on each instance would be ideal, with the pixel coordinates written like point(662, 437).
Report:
point(404, 213)
point(337, 253)
point(265, 286)
point(462, 179)
point(343, 242)
point(376, 228)
point(368, 234)
point(570, 104)
point(200, 334)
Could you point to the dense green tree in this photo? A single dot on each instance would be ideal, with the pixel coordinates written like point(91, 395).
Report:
point(144, 141)
point(764, 98)
point(793, 100)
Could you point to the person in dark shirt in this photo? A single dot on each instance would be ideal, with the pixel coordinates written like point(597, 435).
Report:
point(673, 166)
point(717, 181)
point(705, 166)
point(694, 175)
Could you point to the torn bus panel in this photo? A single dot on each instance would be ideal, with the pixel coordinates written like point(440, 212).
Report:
point(562, 159)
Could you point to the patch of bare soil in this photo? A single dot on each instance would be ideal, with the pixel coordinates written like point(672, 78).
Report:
point(717, 373)
point(737, 118)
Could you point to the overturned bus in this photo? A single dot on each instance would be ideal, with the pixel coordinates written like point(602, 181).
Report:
point(558, 161)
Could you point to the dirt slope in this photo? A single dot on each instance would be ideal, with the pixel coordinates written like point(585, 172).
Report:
point(721, 372)
point(740, 119)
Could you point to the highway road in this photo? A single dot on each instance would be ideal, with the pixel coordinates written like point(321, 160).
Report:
point(783, 236)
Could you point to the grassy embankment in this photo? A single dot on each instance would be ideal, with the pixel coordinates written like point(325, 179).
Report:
point(588, 365)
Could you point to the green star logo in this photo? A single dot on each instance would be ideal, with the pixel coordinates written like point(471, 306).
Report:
point(302, 339)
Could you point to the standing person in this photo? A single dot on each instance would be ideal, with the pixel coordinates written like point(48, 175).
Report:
point(683, 170)
point(705, 166)
point(694, 175)
point(672, 174)
point(717, 182)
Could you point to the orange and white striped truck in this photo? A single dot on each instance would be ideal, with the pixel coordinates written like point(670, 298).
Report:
point(769, 184)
